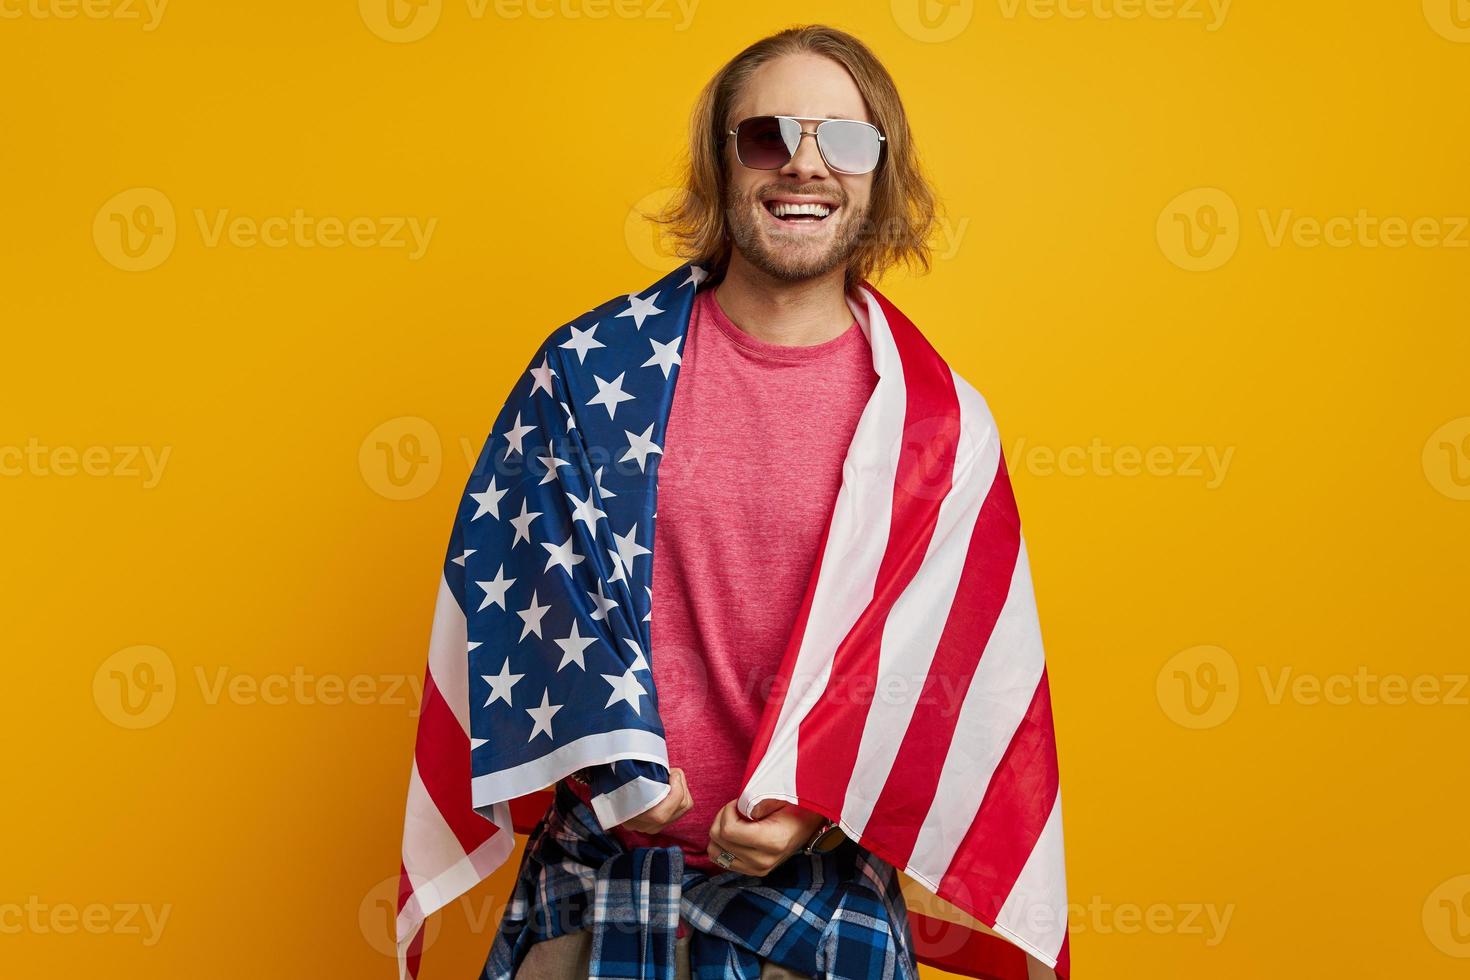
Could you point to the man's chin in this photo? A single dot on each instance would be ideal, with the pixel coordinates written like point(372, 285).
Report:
point(794, 263)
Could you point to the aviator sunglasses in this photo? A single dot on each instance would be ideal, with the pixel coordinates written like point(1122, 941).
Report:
point(769, 142)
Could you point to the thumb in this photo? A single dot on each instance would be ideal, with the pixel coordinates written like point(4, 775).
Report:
point(767, 807)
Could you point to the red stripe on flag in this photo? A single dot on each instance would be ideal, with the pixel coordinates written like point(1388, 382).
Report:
point(443, 755)
point(968, 952)
point(1016, 806)
point(985, 581)
point(827, 740)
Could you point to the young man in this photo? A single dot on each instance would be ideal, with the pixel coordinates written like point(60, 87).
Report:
point(832, 517)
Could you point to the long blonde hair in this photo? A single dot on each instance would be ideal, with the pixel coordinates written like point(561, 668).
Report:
point(901, 214)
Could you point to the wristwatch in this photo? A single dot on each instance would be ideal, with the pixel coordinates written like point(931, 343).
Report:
point(828, 836)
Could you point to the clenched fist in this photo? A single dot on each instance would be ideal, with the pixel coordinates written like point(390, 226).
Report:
point(667, 810)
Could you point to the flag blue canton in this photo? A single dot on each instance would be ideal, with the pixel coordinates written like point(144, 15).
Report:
point(550, 556)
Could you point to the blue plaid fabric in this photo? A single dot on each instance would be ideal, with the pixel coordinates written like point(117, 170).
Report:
point(838, 915)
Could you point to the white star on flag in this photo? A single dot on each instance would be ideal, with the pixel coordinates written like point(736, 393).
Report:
point(531, 616)
point(585, 510)
point(542, 716)
point(625, 687)
point(639, 446)
point(514, 436)
point(638, 309)
point(543, 376)
point(501, 683)
point(488, 501)
point(572, 646)
point(696, 276)
point(597, 482)
point(582, 341)
point(665, 356)
point(564, 554)
point(610, 394)
point(522, 524)
point(602, 602)
point(551, 463)
point(628, 547)
point(495, 589)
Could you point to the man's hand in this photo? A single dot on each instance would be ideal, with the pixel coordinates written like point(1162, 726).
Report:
point(759, 845)
point(667, 810)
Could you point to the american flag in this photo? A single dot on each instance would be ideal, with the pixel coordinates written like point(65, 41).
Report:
point(912, 703)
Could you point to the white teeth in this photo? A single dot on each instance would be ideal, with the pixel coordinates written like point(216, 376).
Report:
point(782, 208)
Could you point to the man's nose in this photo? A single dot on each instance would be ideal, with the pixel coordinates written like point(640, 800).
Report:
point(806, 163)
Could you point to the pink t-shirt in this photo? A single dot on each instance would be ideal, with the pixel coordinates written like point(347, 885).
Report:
point(752, 462)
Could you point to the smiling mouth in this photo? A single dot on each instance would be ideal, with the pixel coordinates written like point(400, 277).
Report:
point(806, 213)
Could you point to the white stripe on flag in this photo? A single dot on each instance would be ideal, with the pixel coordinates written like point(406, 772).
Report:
point(997, 700)
point(449, 654)
point(589, 750)
point(1034, 915)
point(918, 617)
point(849, 563)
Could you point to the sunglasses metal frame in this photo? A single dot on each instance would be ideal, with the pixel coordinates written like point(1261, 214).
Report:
point(815, 133)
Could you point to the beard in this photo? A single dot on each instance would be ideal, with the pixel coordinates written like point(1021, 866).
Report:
point(794, 256)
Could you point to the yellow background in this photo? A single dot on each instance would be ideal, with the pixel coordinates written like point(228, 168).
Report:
point(320, 408)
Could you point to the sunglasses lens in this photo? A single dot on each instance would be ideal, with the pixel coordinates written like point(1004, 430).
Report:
point(849, 146)
point(766, 142)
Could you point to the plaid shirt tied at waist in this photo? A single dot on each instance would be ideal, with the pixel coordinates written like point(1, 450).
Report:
point(837, 915)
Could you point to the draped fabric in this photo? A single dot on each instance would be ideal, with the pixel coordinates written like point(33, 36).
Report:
point(912, 704)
